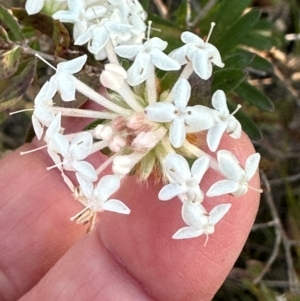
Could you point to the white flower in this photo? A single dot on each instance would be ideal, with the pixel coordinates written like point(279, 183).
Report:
point(64, 81)
point(198, 117)
point(73, 153)
point(199, 221)
point(79, 15)
point(200, 53)
point(98, 196)
point(42, 114)
point(146, 55)
point(237, 178)
point(224, 122)
point(184, 181)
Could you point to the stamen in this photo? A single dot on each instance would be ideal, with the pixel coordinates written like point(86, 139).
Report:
point(33, 150)
point(237, 108)
point(20, 111)
point(46, 62)
point(255, 189)
point(56, 165)
point(212, 25)
point(149, 29)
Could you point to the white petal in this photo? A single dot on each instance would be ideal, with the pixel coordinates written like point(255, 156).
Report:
point(251, 165)
point(230, 166)
point(100, 39)
point(218, 212)
point(86, 185)
point(219, 102)
point(202, 65)
point(199, 168)
point(54, 126)
point(187, 232)
point(161, 112)
point(37, 127)
point(107, 186)
point(200, 117)
point(139, 70)
point(115, 206)
point(171, 190)
point(85, 36)
point(177, 168)
point(156, 43)
point(81, 146)
point(95, 12)
point(76, 5)
point(214, 55)
point(181, 93)
point(128, 51)
point(177, 132)
point(192, 213)
point(44, 114)
point(115, 27)
point(85, 170)
point(34, 6)
point(214, 135)
point(188, 37)
point(60, 144)
point(65, 16)
point(66, 86)
point(45, 94)
point(179, 55)
point(163, 61)
point(222, 187)
point(72, 66)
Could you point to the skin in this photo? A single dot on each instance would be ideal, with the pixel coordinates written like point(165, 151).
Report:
point(45, 256)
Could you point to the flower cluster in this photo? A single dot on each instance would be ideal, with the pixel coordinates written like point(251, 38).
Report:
point(141, 127)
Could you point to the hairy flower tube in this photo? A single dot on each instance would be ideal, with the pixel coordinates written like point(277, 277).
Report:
point(142, 129)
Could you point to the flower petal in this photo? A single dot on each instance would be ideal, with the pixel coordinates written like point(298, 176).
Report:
point(219, 102)
point(85, 170)
point(222, 187)
point(81, 145)
point(72, 66)
point(230, 166)
point(107, 186)
point(34, 6)
point(181, 93)
point(214, 135)
point(177, 132)
point(115, 206)
point(163, 61)
point(161, 112)
point(187, 232)
point(192, 213)
point(251, 165)
point(218, 212)
point(199, 168)
point(177, 168)
point(170, 191)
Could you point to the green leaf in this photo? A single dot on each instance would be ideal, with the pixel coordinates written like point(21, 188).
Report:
point(9, 62)
point(261, 63)
point(236, 33)
point(12, 89)
point(8, 20)
point(254, 96)
point(248, 124)
point(40, 22)
point(4, 36)
point(228, 13)
point(239, 60)
point(60, 37)
point(227, 79)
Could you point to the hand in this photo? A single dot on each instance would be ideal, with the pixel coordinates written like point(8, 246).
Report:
point(45, 256)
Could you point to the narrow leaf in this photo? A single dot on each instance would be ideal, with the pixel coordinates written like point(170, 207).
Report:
point(227, 79)
point(254, 96)
point(11, 23)
point(9, 62)
point(12, 89)
point(60, 37)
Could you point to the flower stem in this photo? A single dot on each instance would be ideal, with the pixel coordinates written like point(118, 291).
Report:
point(151, 86)
point(98, 98)
point(83, 113)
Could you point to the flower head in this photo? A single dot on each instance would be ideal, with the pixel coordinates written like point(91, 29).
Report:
point(201, 54)
point(184, 182)
point(237, 178)
point(199, 221)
